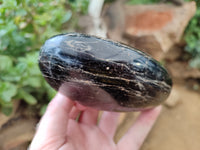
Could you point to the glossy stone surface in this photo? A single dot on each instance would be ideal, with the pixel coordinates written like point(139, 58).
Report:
point(103, 74)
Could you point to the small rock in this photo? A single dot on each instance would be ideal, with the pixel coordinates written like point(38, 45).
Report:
point(152, 28)
point(156, 28)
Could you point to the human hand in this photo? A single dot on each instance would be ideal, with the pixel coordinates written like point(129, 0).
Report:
point(59, 129)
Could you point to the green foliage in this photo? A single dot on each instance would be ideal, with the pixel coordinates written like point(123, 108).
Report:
point(79, 5)
point(192, 38)
point(24, 26)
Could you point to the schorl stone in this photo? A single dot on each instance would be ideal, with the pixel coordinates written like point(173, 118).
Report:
point(103, 74)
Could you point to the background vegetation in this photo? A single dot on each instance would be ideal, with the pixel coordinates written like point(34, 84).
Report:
point(192, 38)
point(26, 24)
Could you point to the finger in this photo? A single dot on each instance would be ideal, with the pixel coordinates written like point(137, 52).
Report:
point(54, 122)
point(75, 112)
point(108, 123)
point(68, 146)
point(136, 135)
point(89, 116)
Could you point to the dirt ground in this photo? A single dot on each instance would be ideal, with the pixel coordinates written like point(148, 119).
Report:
point(178, 127)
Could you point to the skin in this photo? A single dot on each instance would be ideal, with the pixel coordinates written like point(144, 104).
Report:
point(59, 128)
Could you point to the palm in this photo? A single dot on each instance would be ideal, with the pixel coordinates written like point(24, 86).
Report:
point(91, 137)
point(59, 128)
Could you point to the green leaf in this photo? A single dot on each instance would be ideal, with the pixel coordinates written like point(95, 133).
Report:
point(9, 3)
point(21, 67)
point(34, 82)
point(43, 109)
point(195, 62)
point(27, 97)
point(51, 92)
point(10, 77)
point(5, 63)
point(3, 32)
point(21, 12)
point(18, 2)
point(67, 17)
point(7, 91)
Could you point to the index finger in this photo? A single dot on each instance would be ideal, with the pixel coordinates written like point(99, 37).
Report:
point(136, 135)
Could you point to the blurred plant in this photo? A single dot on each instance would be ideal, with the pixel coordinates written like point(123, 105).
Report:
point(24, 26)
point(192, 38)
point(80, 6)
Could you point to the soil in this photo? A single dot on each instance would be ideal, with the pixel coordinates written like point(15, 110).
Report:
point(177, 128)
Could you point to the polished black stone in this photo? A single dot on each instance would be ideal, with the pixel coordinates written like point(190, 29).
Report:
point(103, 74)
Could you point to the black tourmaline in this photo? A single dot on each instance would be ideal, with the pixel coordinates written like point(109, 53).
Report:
point(103, 74)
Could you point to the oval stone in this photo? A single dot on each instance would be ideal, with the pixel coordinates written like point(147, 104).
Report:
point(103, 74)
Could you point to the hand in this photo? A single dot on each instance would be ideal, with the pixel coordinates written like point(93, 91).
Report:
point(59, 129)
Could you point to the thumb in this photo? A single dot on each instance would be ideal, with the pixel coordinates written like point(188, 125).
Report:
point(53, 125)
